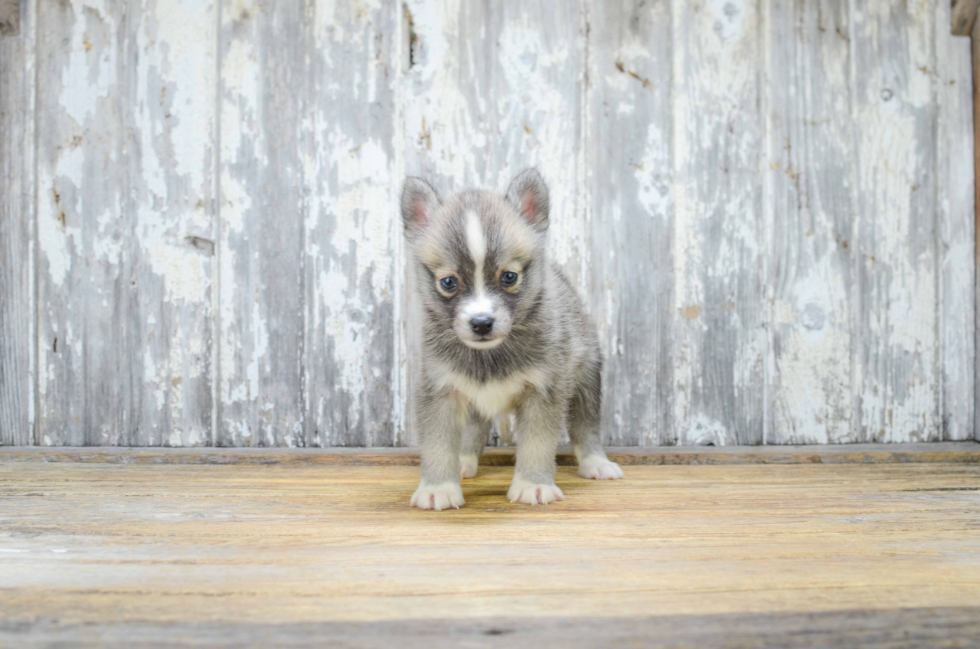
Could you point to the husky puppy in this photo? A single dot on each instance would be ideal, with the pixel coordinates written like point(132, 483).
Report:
point(503, 331)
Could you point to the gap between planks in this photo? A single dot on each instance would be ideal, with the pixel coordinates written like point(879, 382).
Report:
point(940, 452)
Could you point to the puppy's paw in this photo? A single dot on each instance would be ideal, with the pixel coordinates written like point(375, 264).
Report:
point(530, 493)
point(438, 496)
point(596, 467)
point(468, 465)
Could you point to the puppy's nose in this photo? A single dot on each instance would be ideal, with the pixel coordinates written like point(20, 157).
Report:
point(481, 324)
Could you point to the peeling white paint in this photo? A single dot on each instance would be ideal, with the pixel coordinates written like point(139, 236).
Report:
point(654, 190)
point(702, 430)
point(90, 74)
point(137, 245)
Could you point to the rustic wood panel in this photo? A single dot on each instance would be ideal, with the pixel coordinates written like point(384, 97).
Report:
point(266, 136)
point(897, 382)
point(975, 51)
point(720, 340)
point(766, 205)
point(631, 193)
point(171, 147)
point(307, 253)
point(928, 452)
point(491, 89)
point(124, 222)
point(811, 157)
point(17, 176)
point(82, 296)
point(955, 212)
point(353, 385)
point(116, 544)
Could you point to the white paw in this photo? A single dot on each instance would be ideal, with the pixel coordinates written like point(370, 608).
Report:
point(438, 496)
point(468, 465)
point(596, 467)
point(529, 493)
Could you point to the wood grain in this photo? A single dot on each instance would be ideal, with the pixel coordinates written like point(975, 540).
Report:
point(86, 287)
point(905, 628)
point(765, 205)
point(956, 215)
point(945, 452)
point(265, 97)
point(975, 51)
point(897, 377)
point(123, 203)
point(811, 160)
point(718, 139)
point(307, 245)
point(17, 250)
point(354, 389)
point(630, 160)
point(171, 202)
point(107, 545)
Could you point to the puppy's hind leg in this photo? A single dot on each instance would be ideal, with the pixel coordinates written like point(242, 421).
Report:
point(475, 434)
point(584, 412)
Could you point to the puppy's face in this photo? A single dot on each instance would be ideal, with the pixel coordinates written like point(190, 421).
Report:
point(480, 256)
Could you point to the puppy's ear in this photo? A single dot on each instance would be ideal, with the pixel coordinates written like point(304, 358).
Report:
point(419, 202)
point(529, 194)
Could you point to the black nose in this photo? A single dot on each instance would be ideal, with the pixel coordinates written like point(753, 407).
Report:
point(481, 324)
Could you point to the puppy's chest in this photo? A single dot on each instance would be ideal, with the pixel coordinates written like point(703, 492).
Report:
point(496, 397)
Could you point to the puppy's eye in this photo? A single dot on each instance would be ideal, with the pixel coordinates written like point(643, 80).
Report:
point(448, 284)
point(508, 279)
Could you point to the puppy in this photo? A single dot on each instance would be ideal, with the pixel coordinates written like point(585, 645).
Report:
point(503, 331)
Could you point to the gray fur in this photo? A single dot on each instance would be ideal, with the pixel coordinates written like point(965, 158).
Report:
point(546, 364)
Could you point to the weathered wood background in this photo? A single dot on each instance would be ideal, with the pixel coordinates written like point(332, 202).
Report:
point(768, 206)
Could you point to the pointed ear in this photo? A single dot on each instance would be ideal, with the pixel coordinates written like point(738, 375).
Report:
point(529, 194)
point(419, 202)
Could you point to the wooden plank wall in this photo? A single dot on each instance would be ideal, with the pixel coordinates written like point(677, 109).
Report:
point(957, 210)
point(769, 206)
point(17, 223)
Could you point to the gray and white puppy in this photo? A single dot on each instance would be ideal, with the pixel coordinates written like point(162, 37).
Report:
point(503, 332)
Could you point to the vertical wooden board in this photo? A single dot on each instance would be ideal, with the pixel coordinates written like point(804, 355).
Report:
point(123, 187)
point(810, 162)
point(897, 381)
point(17, 233)
point(264, 116)
point(352, 226)
point(632, 260)
point(720, 340)
point(955, 209)
point(171, 149)
point(491, 89)
point(975, 50)
point(85, 281)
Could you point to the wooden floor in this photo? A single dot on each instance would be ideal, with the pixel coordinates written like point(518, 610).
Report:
point(135, 554)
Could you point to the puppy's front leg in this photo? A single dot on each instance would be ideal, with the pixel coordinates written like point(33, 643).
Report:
point(539, 423)
point(441, 419)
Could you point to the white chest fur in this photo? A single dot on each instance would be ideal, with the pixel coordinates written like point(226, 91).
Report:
point(492, 398)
